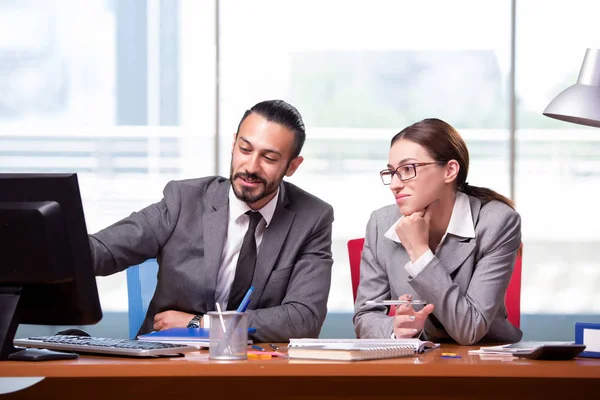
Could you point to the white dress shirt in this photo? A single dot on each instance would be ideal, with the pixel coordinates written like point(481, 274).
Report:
point(236, 230)
point(461, 224)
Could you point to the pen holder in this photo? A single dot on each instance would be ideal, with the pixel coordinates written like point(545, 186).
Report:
point(228, 337)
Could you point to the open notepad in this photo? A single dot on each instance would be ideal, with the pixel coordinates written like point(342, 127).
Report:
point(357, 349)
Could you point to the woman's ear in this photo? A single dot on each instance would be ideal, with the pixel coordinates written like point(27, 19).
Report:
point(452, 170)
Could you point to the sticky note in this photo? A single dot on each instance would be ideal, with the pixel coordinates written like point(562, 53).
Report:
point(258, 356)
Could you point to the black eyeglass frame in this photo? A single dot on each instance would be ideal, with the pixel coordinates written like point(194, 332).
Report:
point(392, 172)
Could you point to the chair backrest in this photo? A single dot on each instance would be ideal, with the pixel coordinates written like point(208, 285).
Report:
point(355, 247)
point(513, 292)
point(141, 284)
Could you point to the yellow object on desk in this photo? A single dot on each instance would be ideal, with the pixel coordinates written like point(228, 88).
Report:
point(258, 355)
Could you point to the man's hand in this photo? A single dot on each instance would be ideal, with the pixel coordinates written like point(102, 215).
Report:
point(172, 319)
point(407, 321)
point(413, 232)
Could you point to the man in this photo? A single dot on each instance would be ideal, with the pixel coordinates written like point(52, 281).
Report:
point(210, 250)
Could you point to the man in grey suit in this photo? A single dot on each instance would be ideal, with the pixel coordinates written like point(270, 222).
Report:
point(215, 237)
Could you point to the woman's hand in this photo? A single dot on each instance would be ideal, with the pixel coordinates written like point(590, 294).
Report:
point(408, 322)
point(413, 232)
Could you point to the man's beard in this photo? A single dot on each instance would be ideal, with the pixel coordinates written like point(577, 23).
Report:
point(252, 195)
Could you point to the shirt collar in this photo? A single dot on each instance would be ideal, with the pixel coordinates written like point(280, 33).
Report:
point(237, 207)
point(461, 220)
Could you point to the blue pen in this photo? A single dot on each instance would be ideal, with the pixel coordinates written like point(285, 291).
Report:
point(246, 300)
point(255, 347)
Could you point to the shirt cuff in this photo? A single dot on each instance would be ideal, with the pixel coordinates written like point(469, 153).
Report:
point(413, 269)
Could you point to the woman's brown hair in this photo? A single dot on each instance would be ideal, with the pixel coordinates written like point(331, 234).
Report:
point(444, 143)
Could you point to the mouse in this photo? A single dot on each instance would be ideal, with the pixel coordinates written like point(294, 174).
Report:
point(73, 332)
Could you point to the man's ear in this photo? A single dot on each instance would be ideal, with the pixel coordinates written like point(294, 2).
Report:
point(294, 164)
point(452, 169)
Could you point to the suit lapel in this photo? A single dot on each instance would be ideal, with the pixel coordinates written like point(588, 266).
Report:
point(214, 231)
point(271, 245)
point(455, 250)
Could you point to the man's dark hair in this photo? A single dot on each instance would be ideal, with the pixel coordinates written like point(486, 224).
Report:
point(284, 114)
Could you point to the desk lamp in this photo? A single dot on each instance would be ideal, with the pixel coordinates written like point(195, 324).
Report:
point(580, 103)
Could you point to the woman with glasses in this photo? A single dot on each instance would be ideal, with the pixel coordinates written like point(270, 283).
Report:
point(444, 242)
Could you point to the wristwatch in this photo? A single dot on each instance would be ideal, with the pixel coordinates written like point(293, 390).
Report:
point(195, 322)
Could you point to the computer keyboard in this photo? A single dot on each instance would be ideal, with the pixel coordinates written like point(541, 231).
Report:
point(97, 345)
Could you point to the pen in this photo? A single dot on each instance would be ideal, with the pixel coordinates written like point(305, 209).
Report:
point(255, 347)
point(221, 317)
point(245, 300)
point(393, 302)
point(222, 323)
point(274, 346)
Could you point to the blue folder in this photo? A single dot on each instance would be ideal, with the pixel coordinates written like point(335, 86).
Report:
point(580, 327)
point(183, 334)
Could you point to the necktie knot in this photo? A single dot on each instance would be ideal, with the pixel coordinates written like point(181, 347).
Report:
point(255, 218)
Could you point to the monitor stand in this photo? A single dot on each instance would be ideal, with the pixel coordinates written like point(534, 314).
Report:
point(9, 299)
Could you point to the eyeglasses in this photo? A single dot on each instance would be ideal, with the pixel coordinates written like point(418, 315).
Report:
point(404, 172)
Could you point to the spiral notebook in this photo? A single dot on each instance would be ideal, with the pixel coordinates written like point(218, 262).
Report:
point(416, 345)
point(350, 351)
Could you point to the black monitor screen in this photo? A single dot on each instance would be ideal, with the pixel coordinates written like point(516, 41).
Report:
point(46, 270)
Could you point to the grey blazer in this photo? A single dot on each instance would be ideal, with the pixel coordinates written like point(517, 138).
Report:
point(186, 232)
point(466, 280)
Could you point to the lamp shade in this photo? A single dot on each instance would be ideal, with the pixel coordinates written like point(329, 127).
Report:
point(580, 103)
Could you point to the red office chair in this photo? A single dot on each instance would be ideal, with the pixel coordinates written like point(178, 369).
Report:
point(513, 292)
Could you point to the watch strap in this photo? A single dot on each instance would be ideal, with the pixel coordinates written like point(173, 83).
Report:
point(195, 321)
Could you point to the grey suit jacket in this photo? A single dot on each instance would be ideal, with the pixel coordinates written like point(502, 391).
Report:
point(186, 232)
point(466, 281)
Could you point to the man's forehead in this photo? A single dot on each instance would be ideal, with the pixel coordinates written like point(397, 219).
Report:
point(257, 131)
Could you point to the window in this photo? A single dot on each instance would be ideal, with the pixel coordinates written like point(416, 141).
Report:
point(558, 172)
point(359, 72)
point(123, 92)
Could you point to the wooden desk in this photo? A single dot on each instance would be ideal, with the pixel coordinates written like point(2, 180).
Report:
point(427, 376)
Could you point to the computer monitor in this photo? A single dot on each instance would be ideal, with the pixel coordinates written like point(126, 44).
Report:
point(46, 270)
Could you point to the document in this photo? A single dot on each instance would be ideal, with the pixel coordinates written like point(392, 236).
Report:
point(518, 347)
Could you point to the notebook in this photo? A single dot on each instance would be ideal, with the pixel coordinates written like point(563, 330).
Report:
point(417, 345)
point(350, 351)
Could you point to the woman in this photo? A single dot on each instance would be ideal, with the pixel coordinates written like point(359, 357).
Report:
point(445, 242)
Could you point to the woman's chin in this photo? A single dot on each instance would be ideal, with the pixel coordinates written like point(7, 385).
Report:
point(405, 209)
